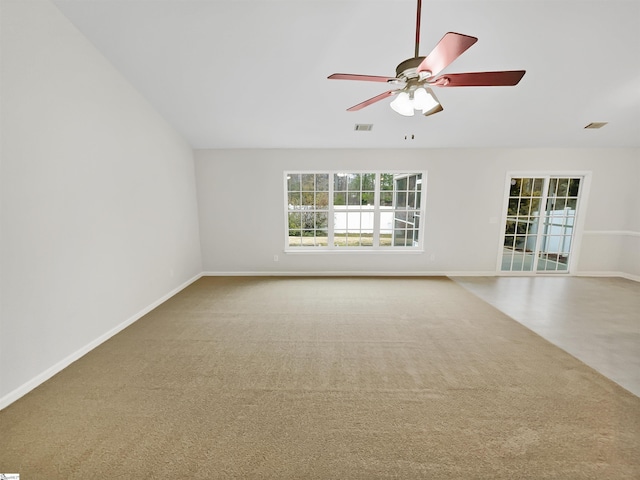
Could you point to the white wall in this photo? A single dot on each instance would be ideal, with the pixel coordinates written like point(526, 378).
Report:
point(612, 238)
point(240, 195)
point(99, 212)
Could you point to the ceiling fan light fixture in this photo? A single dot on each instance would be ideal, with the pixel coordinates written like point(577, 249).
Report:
point(424, 100)
point(420, 98)
point(403, 104)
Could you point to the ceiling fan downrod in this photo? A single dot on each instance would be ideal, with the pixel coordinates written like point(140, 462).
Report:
point(418, 29)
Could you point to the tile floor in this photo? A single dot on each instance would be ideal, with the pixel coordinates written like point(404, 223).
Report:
point(597, 320)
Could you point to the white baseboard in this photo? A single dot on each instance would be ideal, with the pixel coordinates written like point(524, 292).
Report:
point(65, 362)
point(628, 276)
point(629, 233)
point(358, 273)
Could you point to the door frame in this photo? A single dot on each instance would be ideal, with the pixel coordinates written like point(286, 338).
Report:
point(581, 209)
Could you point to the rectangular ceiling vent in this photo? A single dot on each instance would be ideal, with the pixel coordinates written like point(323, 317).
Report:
point(363, 127)
point(596, 125)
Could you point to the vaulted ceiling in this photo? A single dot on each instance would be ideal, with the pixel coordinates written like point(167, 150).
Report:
point(253, 73)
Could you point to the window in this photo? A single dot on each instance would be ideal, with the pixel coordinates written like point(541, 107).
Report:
point(357, 210)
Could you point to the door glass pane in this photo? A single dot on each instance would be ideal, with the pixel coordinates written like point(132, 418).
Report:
point(523, 215)
point(557, 234)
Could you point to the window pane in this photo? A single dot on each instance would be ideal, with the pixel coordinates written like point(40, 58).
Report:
point(514, 191)
point(308, 198)
point(322, 220)
point(368, 198)
point(308, 182)
point(295, 240)
point(535, 206)
point(521, 227)
point(354, 181)
point(307, 220)
point(294, 220)
point(322, 182)
point(385, 238)
point(401, 184)
point(563, 187)
point(339, 198)
point(322, 238)
point(352, 240)
point(401, 199)
point(509, 241)
point(354, 198)
point(512, 208)
point(510, 227)
point(412, 237)
point(386, 199)
point(322, 199)
point(538, 185)
point(560, 204)
point(574, 187)
point(340, 182)
point(366, 240)
point(369, 181)
point(400, 238)
point(340, 221)
point(386, 181)
point(293, 182)
point(294, 199)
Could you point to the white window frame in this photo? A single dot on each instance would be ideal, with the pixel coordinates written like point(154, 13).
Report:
point(376, 248)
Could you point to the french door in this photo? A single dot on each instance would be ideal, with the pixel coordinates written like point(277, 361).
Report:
point(539, 223)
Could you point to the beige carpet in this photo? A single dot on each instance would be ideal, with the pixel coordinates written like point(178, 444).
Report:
point(324, 378)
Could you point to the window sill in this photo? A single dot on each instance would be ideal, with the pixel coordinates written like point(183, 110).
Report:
point(357, 251)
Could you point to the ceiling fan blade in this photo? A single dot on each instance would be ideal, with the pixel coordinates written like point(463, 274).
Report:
point(375, 99)
point(479, 79)
point(362, 78)
point(450, 47)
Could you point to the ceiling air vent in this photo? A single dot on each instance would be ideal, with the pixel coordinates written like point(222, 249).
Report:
point(593, 125)
point(363, 127)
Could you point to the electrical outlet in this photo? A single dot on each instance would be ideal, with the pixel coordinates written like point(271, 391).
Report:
point(275, 258)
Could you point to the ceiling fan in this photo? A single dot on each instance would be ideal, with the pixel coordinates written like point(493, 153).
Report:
point(416, 75)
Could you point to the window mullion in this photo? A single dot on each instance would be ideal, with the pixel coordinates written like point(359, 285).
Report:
point(331, 214)
point(376, 212)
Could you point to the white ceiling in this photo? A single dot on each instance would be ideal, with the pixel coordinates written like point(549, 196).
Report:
point(253, 73)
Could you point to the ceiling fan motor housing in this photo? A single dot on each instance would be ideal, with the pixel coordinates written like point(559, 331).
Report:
point(408, 69)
